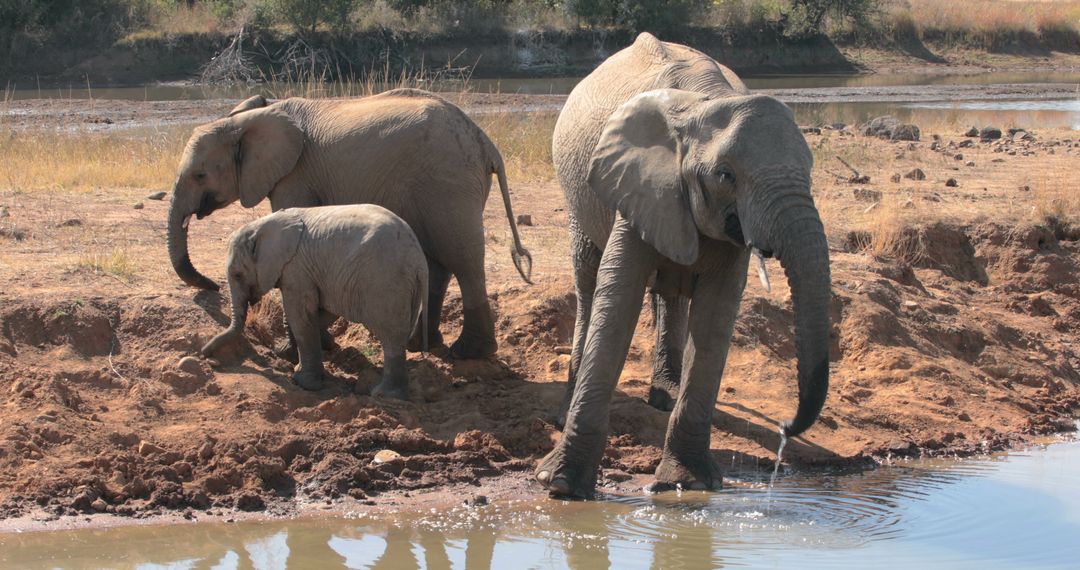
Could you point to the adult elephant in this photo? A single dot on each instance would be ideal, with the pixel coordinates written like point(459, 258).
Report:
point(673, 171)
point(406, 150)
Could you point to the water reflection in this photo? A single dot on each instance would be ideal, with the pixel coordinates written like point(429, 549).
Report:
point(1021, 510)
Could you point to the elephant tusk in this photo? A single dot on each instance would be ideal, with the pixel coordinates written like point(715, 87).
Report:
point(186, 222)
point(762, 273)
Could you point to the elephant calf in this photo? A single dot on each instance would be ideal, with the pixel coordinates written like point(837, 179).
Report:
point(360, 262)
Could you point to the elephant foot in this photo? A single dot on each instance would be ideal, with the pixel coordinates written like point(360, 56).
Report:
point(700, 474)
point(662, 396)
point(416, 342)
point(387, 388)
point(287, 351)
point(465, 348)
point(308, 380)
point(565, 478)
point(328, 342)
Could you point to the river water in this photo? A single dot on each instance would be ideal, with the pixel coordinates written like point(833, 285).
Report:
point(1022, 99)
point(1018, 510)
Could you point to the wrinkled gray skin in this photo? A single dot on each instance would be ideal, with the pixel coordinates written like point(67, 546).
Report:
point(673, 171)
point(407, 150)
point(360, 262)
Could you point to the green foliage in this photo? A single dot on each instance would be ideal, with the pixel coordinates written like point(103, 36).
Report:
point(306, 15)
point(806, 18)
point(640, 15)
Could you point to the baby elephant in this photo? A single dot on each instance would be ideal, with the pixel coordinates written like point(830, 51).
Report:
point(360, 262)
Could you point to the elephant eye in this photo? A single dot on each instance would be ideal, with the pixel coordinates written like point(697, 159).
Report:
point(726, 176)
point(200, 176)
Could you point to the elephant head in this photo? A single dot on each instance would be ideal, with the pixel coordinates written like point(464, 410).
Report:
point(242, 156)
point(680, 165)
point(258, 253)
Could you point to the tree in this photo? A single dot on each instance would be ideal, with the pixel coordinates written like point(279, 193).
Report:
point(306, 15)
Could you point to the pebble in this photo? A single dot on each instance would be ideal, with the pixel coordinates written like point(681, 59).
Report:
point(156, 196)
point(138, 206)
point(385, 456)
point(147, 448)
point(524, 220)
point(951, 183)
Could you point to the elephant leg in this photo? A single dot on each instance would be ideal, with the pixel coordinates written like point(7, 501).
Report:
point(438, 281)
point(671, 314)
point(477, 339)
point(687, 462)
point(395, 379)
point(288, 351)
point(570, 468)
point(586, 260)
point(302, 312)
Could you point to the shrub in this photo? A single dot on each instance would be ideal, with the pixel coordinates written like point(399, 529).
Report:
point(306, 15)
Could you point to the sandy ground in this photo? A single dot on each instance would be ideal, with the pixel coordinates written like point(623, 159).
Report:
point(964, 344)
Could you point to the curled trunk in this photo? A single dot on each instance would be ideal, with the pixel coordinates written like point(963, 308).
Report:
point(178, 248)
point(236, 327)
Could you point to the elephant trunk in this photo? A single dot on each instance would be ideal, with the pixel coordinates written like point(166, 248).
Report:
point(179, 217)
point(236, 326)
point(797, 237)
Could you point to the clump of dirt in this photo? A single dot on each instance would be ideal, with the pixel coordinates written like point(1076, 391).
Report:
point(971, 348)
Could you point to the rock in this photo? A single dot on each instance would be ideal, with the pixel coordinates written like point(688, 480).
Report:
point(524, 220)
point(99, 505)
point(156, 196)
point(476, 501)
point(810, 130)
point(190, 364)
point(969, 163)
point(972, 132)
point(84, 501)
point(916, 174)
point(998, 160)
point(890, 128)
point(867, 195)
point(895, 178)
point(989, 134)
point(935, 145)
point(958, 156)
point(966, 144)
point(138, 206)
point(4, 212)
point(206, 451)
point(147, 448)
point(72, 223)
point(386, 456)
point(951, 183)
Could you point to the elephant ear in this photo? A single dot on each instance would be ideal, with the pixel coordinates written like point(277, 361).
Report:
point(636, 170)
point(270, 146)
point(275, 244)
point(248, 104)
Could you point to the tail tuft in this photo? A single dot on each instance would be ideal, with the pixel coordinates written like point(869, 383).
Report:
point(523, 262)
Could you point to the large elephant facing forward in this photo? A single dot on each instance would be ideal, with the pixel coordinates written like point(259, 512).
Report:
point(406, 150)
point(671, 169)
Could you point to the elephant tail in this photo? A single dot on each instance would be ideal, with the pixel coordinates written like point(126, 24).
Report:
point(421, 302)
point(521, 256)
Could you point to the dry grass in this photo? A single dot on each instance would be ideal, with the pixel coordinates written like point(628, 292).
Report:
point(116, 262)
point(78, 160)
point(990, 24)
point(524, 139)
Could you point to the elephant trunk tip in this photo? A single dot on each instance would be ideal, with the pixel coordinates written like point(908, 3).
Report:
point(812, 394)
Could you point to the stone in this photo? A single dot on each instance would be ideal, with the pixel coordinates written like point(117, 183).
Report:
point(916, 174)
point(147, 448)
point(386, 456)
point(966, 143)
point(958, 156)
point(969, 163)
point(99, 505)
point(890, 128)
point(972, 132)
point(810, 130)
point(989, 134)
point(156, 196)
point(524, 220)
point(138, 206)
point(895, 178)
point(951, 183)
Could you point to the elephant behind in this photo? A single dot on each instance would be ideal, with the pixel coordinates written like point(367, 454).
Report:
point(406, 150)
point(674, 173)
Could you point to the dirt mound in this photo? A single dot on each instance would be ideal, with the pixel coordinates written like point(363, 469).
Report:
point(970, 348)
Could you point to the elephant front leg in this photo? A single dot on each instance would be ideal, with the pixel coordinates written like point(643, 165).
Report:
point(570, 469)
point(671, 312)
point(687, 461)
point(395, 378)
point(302, 312)
point(288, 350)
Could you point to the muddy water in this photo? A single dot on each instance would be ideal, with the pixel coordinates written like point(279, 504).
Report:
point(1013, 511)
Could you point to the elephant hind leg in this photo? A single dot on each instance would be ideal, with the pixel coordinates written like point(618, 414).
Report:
point(670, 310)
point(477, 339)
point(288, 350)
point(438, 281)
point(586, 260)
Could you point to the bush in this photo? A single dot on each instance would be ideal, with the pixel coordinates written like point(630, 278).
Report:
point(641, 15)
point(306, 15)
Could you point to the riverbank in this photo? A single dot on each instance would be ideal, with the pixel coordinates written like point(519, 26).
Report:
point(956, 309)
point(140, 60)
